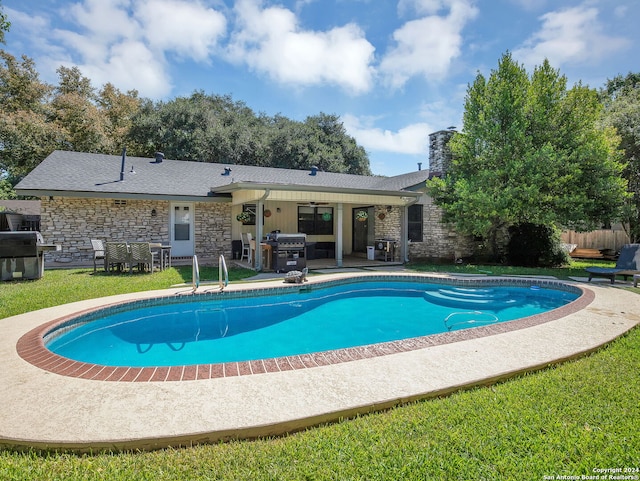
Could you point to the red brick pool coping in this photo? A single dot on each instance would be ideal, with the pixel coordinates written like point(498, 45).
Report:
point(31, 348)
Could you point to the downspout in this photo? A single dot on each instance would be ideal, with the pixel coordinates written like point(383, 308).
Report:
point(259, 226)
point(405, 229)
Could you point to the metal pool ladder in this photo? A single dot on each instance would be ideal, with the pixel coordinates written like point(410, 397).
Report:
point(222, 269)
point(195, 278)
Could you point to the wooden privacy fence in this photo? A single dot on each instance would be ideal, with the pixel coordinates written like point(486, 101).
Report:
point(612, 239)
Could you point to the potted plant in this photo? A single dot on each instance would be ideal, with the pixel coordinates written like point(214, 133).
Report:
point(362, 215)
point(243, 217)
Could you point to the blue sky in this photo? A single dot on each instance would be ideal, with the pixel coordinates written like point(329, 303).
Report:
point(394, 71)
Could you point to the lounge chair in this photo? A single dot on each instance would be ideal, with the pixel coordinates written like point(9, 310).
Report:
point(627, 265)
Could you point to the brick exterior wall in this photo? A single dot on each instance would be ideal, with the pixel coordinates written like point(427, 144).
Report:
point(72, 222)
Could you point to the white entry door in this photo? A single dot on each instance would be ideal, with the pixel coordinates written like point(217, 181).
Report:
point(182, 221)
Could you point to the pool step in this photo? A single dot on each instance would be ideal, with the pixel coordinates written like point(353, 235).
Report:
point(471, 298)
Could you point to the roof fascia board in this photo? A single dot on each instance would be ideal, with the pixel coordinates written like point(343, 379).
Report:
point(121, 195)
point(306, 188)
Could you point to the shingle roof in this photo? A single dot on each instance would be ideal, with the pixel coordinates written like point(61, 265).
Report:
point(100, 174)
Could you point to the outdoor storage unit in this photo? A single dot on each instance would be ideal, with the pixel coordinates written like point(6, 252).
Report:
point(288, 251)
point(387, 248)
point(22, 255)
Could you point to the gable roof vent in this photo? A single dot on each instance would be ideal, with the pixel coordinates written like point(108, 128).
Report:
point(159, 157)
point(314, 170)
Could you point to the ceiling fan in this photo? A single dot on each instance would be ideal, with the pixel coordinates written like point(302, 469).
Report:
point(312, 204)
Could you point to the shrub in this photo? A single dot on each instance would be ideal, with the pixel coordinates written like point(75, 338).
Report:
point(533, 245)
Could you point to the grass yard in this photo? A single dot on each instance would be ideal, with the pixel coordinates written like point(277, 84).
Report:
point(565, 420)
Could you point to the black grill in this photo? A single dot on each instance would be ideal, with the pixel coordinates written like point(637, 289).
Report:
point(288, 252)
point(22, 255)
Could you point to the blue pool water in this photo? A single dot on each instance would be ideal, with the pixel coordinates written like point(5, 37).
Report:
point(224, 329)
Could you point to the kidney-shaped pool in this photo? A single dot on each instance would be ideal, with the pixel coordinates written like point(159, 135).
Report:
point(220, 328)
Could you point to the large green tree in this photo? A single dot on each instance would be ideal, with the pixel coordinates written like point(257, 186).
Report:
point(621, 98)
point(26, 134)
point(530, 152)
point(214, 128)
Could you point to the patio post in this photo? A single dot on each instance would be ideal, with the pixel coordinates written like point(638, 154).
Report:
point(339, 236)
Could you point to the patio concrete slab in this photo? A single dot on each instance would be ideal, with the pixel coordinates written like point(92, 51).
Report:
point(46, 410)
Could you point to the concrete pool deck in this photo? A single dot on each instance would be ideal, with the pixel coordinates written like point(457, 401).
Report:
point(51, 411)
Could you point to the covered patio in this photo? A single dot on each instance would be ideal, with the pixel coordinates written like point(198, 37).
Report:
point(356, 218)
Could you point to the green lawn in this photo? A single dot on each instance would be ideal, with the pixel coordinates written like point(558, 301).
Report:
point(566, 420)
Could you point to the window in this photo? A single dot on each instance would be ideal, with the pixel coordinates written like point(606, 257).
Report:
point(415, 222)
point(315, 220)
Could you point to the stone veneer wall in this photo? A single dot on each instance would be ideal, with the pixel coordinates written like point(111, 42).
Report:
point(440, 156)
point(388, 225)
point(213, 231)
point(439, 241)
point(73, 222)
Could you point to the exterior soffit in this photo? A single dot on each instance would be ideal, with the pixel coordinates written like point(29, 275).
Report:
point(247, 196)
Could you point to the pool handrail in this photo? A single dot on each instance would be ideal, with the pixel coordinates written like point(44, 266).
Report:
point(195, 278)
point(222, 268)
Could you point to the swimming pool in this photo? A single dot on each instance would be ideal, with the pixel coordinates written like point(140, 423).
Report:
point(221, 328)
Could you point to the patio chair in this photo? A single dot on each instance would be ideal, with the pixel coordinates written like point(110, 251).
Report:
point(142, 256)
point(627, 265)
point(246, 247)
point(116, 255)
point(98, 253)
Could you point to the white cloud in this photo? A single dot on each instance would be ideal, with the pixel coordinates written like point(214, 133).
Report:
point(129, 66)
point(411, 139)
point(426, 46)
point(270, 41)
point(573, 35)
point(189, 29)
point(126, 42)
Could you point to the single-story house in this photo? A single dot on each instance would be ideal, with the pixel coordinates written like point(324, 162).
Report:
point(195, 206)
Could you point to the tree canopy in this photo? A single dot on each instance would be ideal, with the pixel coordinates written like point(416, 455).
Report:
point(215, 128)
point(621, 98)
point(530, 152)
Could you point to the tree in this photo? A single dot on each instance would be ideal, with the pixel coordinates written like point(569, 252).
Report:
point(118, 111)
point(530, 152)
point(213, 128)
point(74, 111)
point(4, 24)
point(621, 98)
point(26, 135)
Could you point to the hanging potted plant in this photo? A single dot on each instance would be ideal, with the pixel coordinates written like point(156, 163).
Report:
point(362, 215)
point(243, 217)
